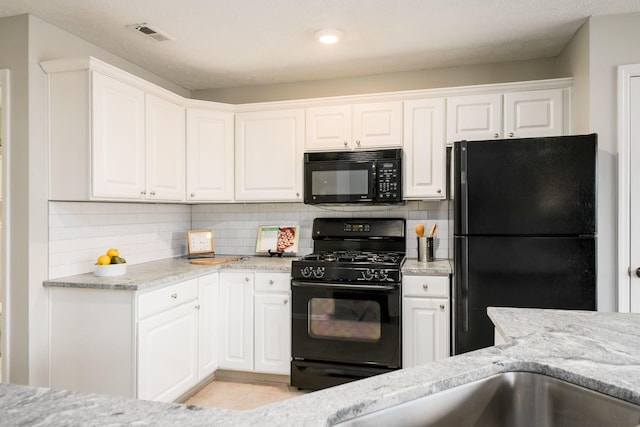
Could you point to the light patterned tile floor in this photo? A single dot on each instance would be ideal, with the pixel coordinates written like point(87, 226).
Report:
point(230, 394)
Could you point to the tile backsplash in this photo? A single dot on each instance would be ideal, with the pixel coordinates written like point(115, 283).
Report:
point(80, 231)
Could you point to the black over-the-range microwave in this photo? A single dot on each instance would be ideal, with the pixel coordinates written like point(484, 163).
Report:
point(353, 177)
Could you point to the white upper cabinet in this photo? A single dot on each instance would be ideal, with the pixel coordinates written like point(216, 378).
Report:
point(474, 117)
point(209, 155)
point(424, 149)
point(524, 114)
point(165, 154)
point(533, 113)
point(268, 162)
point(357, 126)
point(117, 139)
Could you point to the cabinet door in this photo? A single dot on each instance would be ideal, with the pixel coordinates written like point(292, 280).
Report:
point(208, 325)
point(425, 330)
point(328, 128)
point(166, 151)
point(533, 113)
point(269, 148)
point(377, 125)
point(236, 321)
point(168, 353)
point(209, 155)
point(118, 140)
point(272, 333)
point(474, 117)
point(424, 149)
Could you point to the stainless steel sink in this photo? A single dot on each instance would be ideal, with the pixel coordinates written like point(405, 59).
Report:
point(511, 399)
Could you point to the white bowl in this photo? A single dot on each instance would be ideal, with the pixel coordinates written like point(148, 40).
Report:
point(110, 270)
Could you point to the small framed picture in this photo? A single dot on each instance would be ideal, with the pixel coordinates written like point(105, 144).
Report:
point(200, 242)
point(275, 239)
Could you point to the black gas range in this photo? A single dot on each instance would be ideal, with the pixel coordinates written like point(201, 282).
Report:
point(346, 302)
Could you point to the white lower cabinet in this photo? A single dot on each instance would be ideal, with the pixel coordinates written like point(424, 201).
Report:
point(153, 345)
point(255, 322)
point(168, 353)
point(425, 319)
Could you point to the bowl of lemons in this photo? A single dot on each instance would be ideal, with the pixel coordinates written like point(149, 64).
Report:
point(110, 264)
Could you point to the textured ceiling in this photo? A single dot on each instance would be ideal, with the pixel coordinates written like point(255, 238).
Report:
point(232, 43)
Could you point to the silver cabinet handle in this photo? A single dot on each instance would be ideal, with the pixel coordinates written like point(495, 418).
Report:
point(439, 190)
point(286, 301)
point(297, 194)
point(441, 306)
point(153, 193)
point(246, 279)
point(638, 272)
point(358, 142)
point(346, 143)
point(496, 135)
point(193, 194)
point(174, 296)
point(425, 287)
point(270, 282)
point(197, 306)
point(142, 193)
point(511, 134)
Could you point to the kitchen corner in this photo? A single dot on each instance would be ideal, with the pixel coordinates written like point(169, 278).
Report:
point(599, 351)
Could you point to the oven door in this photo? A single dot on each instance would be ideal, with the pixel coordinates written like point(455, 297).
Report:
point(339, 181)
point(341, 323)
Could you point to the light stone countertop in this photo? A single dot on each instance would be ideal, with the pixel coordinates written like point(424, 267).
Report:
point(157, 273)
point(600, 351)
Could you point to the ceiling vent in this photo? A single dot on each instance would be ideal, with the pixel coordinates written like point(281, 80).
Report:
point(151, 32)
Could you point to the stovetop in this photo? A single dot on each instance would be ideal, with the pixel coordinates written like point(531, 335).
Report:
point(349, 266)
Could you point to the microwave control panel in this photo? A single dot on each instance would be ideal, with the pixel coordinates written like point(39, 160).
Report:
point(389, 178)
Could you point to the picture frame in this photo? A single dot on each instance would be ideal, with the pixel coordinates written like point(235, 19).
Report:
point(277, 240)
point(200, 243)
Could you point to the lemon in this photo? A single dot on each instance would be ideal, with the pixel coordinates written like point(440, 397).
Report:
point(113, 252)
point(104, 260)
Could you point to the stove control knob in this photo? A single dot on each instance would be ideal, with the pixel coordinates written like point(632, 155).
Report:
point(382, 275)
point(318, 272)
point(368, 274)
point(306, 271)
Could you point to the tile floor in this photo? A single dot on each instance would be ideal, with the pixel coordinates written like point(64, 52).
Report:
point(234, 394)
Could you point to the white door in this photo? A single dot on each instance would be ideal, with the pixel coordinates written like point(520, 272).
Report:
point(269, 153)
point(328, 128)
point(377, 125)
point(117, 144)
point(168, 353)
point(236, 321)
point(533, 113)
point(425, 329)
point(208, 325)
point(634, 193)
point(474, 117)
point(272, 333)
point(165, 142)
point(424, 149)
point(209, 155)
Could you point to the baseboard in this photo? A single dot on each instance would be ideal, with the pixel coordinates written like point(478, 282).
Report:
point(251, 376)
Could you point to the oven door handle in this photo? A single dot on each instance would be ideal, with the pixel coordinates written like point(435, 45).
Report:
point(340, 286)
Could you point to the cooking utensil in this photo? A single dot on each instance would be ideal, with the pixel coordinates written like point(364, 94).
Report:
point(419, 230)
point(433, 230)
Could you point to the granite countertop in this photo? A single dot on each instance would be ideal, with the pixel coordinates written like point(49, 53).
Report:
point(157, 273)
point(600, 351)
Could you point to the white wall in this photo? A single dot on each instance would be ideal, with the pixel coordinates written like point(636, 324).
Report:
point(24, 42)
point(426, 79)
point(593, 57)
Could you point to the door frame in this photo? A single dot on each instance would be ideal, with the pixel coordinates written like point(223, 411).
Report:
point(625, 74)
point(5, 265)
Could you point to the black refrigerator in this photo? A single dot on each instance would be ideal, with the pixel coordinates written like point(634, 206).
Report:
point(524, 230)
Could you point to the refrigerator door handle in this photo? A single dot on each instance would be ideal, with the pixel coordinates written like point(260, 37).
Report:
point(464, 194)
point(464, 294)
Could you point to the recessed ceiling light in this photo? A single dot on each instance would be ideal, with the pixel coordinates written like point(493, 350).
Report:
point(328, 35)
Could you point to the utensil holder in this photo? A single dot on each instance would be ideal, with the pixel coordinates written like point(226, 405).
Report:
point(429, 248)
point(422, 249)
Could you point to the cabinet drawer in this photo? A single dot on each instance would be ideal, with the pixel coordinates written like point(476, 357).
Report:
point(425, 286)
point(272, 282)
point(170, 296)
